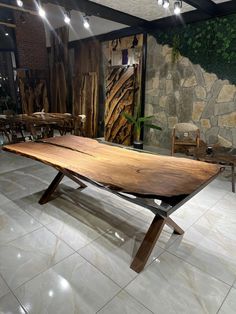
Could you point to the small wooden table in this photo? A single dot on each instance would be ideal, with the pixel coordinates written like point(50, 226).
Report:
point(172, 181)
point(219, 156)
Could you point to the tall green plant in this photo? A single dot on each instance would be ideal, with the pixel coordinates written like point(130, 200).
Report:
point(139, 122)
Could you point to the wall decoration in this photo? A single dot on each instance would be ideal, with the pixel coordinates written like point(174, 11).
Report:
point(122, 59)
point(120, 94)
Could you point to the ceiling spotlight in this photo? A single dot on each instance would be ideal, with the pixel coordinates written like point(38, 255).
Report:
point(6, 34)
point(86, 22)
point(42, 12)
point(67, 17)
point(19, 3)
point(166, 4)
point(160, 2)
point(177, 7)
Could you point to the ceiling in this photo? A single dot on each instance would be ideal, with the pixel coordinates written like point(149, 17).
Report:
point(145, 9)
point(98, 25)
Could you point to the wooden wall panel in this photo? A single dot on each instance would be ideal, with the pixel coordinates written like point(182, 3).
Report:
point(33, 90)
point(86, 83)
point(120, 93)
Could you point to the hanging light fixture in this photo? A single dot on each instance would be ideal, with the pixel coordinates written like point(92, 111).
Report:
point(19, 3)
point(86, 22)
point(166, 4)
point(67, 17)
point(177, 7)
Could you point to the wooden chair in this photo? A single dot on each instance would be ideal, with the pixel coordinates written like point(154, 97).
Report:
point(185, 136)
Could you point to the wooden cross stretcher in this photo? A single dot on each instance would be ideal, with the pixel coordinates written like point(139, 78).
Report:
point(170, 180)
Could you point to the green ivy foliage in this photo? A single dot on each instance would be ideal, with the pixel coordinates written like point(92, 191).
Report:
point(211, 43)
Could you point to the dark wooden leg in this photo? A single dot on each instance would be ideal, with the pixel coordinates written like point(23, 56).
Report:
point(233, 179)
point(148, 244)
point(52, 187)
point(174, 226)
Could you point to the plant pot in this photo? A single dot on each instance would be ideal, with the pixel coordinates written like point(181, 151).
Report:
point(138, 144)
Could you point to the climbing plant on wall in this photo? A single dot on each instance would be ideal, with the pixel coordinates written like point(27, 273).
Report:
point(211, 43)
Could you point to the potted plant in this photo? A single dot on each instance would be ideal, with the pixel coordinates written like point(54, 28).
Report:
point(139, 122)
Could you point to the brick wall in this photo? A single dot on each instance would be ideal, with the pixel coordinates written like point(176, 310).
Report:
point(30, 41)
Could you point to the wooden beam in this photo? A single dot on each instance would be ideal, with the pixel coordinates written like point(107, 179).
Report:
point(206, 6)
point(95, 9)
point(8, 24)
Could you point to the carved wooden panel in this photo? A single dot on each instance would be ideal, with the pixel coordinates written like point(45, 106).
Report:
point(120, 92)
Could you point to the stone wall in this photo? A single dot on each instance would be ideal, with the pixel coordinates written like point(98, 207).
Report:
point(184, 92)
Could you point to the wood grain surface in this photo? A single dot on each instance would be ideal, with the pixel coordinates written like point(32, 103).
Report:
point(118, 168)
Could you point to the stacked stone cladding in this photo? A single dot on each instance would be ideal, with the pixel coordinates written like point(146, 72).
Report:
point(184, 92)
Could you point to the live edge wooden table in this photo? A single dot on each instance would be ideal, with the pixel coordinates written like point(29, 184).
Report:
point(140, 178)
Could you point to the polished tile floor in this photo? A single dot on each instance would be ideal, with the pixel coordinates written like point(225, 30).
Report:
point(72, 255)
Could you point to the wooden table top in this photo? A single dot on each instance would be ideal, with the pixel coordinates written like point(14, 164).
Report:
point(118, 168)
point(37, 118)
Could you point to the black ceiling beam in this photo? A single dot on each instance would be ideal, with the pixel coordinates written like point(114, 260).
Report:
point(124, 32)
point(206, 6)
point(95, 9)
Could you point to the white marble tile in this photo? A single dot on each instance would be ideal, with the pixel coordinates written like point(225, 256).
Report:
point(25, 181)
point(71, 286)
point(77, 232)
point(229, 305)
point(10, 162)
point(14, 222)
point(3, 287)
point(228, 202)
point(210, 244)
point(184, 216)
point(113, 254)
point(14, 187)
point(208, 196)
point(123, 303)
point(53, 211)
point(222, 183)
point(170, 285)
point(188, 214)
point(10, 305)
point(22, 259)
point(102, 202)
point(3, 199)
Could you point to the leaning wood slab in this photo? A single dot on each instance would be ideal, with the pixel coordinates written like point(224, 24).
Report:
point(120, 169)
point(143, 175)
